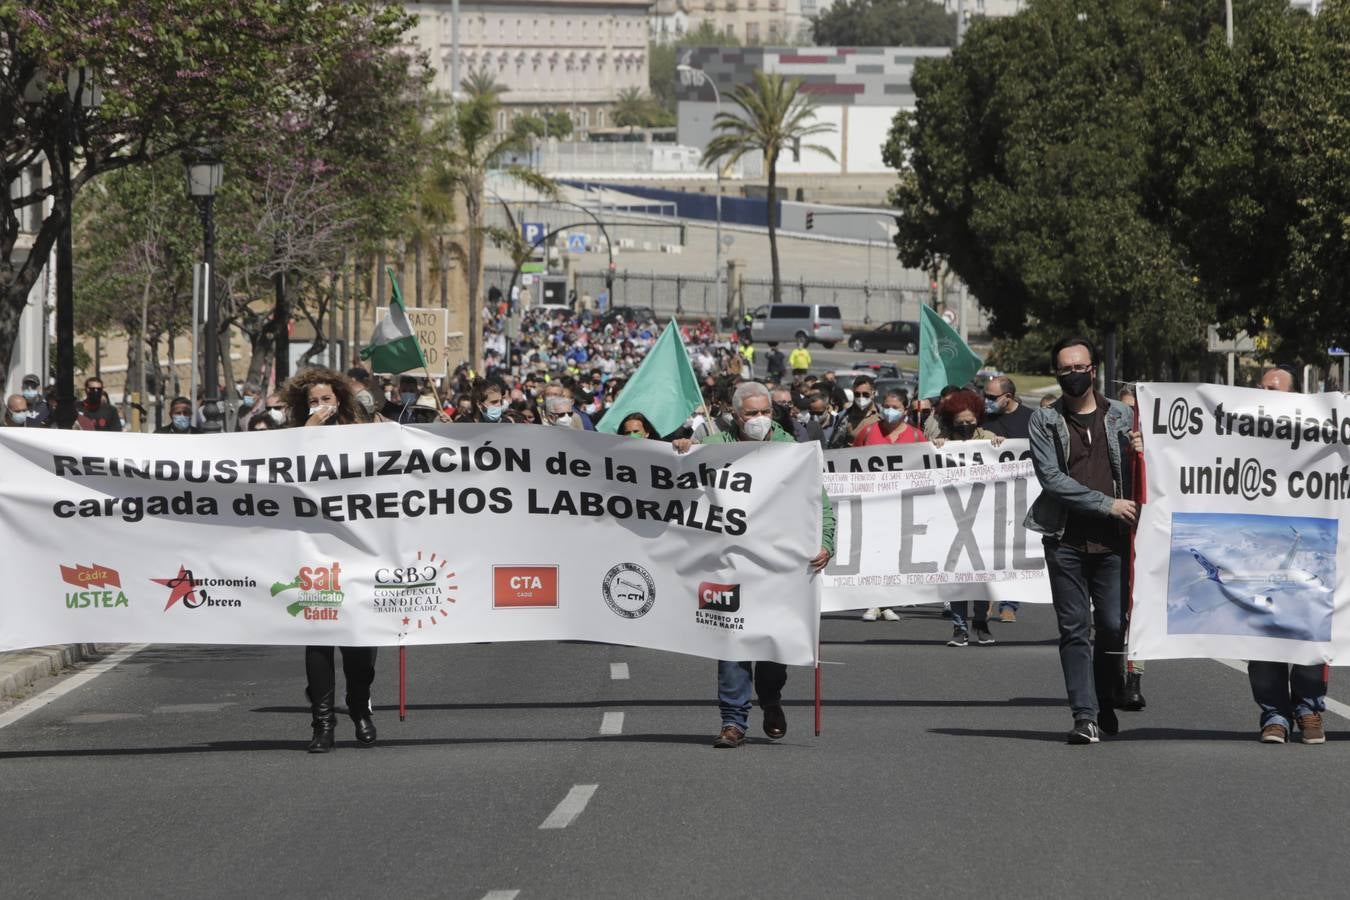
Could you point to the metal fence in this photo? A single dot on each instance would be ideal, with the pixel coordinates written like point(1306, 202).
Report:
point(642, 233)
point(860, 303)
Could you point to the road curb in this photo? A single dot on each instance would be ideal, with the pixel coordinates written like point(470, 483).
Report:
point(20, 668)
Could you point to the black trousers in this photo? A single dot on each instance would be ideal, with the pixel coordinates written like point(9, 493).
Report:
point(358, 668)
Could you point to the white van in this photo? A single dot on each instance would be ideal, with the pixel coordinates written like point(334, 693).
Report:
point(798, 322)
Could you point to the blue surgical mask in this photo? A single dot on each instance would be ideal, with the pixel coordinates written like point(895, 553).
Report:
point(991, 407)
point(30, 393)
point(21, 416)
point(181, 423)
point(246, 401)
point(492, 413)
point(408, 398)
point(891, 415)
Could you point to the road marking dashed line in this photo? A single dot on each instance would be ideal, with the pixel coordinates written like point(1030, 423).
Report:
point(571, 806)
point(612, 723)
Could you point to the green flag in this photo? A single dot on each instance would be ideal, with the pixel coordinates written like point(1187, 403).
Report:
point(664, 388)
point(943, 357)
point(393, 347)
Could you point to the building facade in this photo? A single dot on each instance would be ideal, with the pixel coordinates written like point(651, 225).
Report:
point(859, 90)
point(571, 56)
point(752, 22)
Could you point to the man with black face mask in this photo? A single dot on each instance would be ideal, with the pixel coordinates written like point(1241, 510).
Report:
point(96, 413)
point(1080, 449)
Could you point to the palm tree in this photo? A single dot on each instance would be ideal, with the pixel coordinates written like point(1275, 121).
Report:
point(472, 147)
point(773, 115)
point(632, 109)
point(480, 83)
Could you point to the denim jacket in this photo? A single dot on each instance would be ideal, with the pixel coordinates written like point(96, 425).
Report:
point(1049, 456)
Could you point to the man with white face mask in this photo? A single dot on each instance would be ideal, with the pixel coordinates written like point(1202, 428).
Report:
point(861, 413)
point(752, 407)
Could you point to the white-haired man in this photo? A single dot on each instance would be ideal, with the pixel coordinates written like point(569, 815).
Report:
point(752, 409)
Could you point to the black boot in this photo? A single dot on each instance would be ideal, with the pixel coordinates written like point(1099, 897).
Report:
point(1132, 698)
point(324, 722)
point(361, 717)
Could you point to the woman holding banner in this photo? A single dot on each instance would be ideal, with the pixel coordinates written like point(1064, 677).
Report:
point(314, 398)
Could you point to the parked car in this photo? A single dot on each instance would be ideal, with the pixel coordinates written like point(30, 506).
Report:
point(800, 322)
point(637, 314)
point(901, 336)
point(877, 369)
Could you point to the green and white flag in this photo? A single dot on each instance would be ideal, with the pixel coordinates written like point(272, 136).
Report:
point(943, 357)
point(664, 388)
point(393, 347)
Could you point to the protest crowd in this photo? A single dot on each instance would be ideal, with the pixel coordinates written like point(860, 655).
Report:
point(562, 370)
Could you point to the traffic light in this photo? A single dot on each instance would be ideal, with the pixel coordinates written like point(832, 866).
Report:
point(810, 221)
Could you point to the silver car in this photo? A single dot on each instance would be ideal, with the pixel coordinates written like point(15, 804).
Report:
point(803, 323)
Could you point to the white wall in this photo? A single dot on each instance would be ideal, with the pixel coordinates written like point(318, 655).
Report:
point(868, 128)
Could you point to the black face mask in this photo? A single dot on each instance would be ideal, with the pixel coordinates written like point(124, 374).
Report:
point(94, 396)
point(963, 431)
point(1075, 384)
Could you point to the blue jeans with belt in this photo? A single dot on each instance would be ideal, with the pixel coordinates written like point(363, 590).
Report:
point(734, 683)
point(1284, 692)
point(1086, 590)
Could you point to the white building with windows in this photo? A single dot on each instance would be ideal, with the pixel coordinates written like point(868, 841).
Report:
point(572, 56)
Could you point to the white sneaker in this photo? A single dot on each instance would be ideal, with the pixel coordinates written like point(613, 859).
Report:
point(871, 614)
point(890, 615)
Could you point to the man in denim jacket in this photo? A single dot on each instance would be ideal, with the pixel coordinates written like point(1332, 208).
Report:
point(1079, 448)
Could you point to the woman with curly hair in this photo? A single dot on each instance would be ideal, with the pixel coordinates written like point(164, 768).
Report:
point(317, 397)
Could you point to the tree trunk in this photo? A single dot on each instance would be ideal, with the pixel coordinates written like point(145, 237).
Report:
point(417, 274)
point(772, 214)
point(473, 203)
point(281, 353)
point(140, 345)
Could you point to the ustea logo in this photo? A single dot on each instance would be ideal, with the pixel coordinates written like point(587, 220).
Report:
point(419, 590)
point(193, 592)
point(320, 591)
point(93, 576)
point(716, 605)
point(523, 587)
point(629, 590)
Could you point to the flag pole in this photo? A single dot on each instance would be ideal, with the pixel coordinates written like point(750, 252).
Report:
point(402, 683)
point(817, 689)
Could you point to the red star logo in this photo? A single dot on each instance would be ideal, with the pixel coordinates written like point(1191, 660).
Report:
point(406, 620)
point(179, 587)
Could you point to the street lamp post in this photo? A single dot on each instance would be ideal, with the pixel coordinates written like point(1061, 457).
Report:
point(204, 173)
point(699, 78)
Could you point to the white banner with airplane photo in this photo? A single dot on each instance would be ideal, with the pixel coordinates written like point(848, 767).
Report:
point(390, 535)
point(1239, 541)
point(919, 524)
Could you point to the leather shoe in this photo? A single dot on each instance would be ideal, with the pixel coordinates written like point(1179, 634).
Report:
point(775, 720)
point(1107, 721)
point(729, 738)
point(365, 729)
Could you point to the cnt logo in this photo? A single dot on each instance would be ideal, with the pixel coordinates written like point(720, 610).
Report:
point(93, 576)
point(319, 591)
point(717, 604)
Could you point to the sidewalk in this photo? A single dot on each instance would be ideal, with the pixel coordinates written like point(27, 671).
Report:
point(20, 668)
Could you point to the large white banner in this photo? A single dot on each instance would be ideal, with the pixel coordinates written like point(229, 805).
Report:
point(1240, 538)
point(920, 524)
point(391, 535)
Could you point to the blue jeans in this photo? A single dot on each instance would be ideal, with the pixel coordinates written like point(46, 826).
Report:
point(981, 615)
point(734, 681)
point(1009, 604)
point(1086, 590)
point(1284, 692)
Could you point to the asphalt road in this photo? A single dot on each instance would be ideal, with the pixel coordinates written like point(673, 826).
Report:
point(181, 773)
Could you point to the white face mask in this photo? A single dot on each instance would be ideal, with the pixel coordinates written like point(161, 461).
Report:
point(277, 416)
point(563, 421)
point(693, 422)
point(314, 409)
point(758, 428)
point(862, 402)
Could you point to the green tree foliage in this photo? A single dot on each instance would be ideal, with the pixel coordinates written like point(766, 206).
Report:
point(1119, 169)
point(635, 109)
point(171, 73)
point(772, 114)
point(884, 23)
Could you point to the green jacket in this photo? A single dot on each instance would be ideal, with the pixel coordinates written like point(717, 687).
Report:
point(778, 434)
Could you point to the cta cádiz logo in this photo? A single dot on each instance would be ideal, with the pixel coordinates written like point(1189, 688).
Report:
point(320, 591)
point(93, 576)
point(629, 590)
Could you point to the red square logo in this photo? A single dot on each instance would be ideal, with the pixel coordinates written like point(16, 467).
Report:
point(524, 587)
